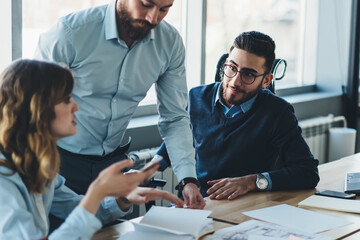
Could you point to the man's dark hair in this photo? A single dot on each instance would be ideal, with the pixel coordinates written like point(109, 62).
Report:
point(259, 44)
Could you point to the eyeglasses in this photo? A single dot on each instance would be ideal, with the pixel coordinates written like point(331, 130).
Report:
point(245, 76)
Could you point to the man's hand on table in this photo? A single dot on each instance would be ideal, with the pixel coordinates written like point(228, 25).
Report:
point(231, 188)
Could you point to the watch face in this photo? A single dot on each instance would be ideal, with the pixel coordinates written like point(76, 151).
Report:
point(262, 183)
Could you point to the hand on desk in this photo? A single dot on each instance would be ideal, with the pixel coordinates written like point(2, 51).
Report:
point(231, 188)
point(192, 197)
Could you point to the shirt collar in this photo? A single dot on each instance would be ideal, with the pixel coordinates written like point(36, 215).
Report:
point(111, 31)
point(244, 107)
point(110, 22)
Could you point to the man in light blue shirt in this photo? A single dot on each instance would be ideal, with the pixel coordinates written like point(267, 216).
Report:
point(116, 53)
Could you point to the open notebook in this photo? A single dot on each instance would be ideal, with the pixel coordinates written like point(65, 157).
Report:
point(163, 223)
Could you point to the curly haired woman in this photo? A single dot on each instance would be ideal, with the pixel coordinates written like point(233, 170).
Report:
point(36, 110)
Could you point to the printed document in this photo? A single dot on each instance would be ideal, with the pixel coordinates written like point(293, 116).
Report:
point(258, 230)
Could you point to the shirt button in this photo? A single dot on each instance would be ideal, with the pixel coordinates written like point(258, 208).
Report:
point(114, 100)
point(121, 80)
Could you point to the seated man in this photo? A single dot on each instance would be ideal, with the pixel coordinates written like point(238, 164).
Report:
point(245, 137)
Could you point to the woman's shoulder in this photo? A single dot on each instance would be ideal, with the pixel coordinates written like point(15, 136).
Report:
point(9, 175)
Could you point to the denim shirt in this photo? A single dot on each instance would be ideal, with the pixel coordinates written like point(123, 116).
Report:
point(24, 215)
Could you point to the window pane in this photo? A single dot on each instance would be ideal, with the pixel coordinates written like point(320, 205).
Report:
point(279, 19)
point(40, 15)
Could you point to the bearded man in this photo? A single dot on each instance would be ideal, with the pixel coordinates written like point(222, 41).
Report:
point(116, 52)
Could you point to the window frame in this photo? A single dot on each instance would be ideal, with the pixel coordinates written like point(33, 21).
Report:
point(16, 27)
point(11, 26)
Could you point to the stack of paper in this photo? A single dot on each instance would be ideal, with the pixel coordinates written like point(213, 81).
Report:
point(171, 223)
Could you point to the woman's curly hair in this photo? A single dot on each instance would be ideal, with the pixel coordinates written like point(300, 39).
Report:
point(29, 91)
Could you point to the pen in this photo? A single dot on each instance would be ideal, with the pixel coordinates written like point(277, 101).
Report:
point(205, 234)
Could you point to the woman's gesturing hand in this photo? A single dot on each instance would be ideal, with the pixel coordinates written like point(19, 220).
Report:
point(113, 182)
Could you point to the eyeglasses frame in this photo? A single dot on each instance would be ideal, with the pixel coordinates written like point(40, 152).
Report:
point(236, 72)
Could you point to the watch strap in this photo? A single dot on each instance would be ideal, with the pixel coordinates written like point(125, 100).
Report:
point(125, 200)
point(185, 181)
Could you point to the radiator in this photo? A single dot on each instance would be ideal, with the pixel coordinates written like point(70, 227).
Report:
point(145, 155)
point(142, 156)
point(316, 133)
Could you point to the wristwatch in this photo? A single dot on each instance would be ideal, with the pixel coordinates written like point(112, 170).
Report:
point(261, 182)
point(185, 181)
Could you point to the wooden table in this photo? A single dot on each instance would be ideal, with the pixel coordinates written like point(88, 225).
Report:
point(332, 177)
point(227, 213)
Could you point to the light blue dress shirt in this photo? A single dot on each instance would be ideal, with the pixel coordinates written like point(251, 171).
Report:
point(236, 110)
point(111, 79)
point(25, 216)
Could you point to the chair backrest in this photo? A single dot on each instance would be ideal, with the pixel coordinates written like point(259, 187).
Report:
point(278, 70)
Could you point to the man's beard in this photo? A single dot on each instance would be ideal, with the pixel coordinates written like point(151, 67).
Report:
point(232, 98)
point(126, 22)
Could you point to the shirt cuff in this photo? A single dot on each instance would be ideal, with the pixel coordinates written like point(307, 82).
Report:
point(267, 176)
point(79, 224)
point(111, 204)
point(185, 171)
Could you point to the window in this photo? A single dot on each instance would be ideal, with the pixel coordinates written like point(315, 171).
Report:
point(35, 22)
point(304, 32)
point(39, 15)
point(174, 17)
point(279, 19)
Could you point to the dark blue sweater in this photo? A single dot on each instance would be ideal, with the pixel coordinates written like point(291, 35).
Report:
point(266, 138)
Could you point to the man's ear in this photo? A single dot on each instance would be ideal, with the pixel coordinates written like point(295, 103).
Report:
point(267, 80)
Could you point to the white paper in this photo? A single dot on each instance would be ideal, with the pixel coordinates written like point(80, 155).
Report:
point(342, 205)
point(141, 227)
point(297, 218)
point(163, 223)
point(258, 230)
point(189, 221)
point(136, 235)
